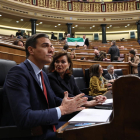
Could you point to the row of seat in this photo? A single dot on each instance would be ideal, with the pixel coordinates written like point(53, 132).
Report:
point(83, 81)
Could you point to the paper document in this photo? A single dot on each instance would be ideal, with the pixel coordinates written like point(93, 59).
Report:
point(108, 101)
point(91, 116)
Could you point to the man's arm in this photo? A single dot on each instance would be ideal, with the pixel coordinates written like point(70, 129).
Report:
point(24, 106)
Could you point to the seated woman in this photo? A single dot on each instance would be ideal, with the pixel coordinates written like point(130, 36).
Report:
point(62, 81)
point(98, 84)
point(72, 54)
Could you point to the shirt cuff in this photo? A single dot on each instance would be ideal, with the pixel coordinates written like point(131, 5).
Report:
point(58, 112)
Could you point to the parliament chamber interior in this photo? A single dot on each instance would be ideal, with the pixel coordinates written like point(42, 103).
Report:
point(100, 22)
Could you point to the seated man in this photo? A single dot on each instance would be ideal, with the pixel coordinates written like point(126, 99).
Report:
point(134, 61)
point(99, 56)
point(110, 75)
point(65, 48)
point(28, 100)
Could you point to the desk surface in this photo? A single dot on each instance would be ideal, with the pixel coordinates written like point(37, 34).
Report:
point(67, 126)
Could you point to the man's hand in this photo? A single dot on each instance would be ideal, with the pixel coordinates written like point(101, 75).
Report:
point(96, 101)
point(100, 98)
point(71, 105)
point(111, 81)
point(109, 84)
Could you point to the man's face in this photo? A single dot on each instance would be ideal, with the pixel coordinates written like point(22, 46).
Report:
point(111, 70)
point(84, 36)
point(43, 52)
point(97, 52)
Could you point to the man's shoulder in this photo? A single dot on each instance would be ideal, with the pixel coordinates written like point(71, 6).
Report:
point(106, 75)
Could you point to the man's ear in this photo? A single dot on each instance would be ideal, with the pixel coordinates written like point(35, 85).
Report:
point(31, 50)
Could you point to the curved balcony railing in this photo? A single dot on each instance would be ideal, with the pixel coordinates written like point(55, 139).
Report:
point(79, 6)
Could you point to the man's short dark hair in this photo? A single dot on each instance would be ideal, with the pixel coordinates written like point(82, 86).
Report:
point(65, 47)
point(82, 58)
point(132, 52)
point(77, 46)
point(32, 41)
point(113, 43)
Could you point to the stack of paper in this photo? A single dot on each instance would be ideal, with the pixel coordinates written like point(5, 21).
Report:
point(108, 101)
point(91, 115)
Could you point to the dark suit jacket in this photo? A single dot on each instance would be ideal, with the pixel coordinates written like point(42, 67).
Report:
point(107, 76)
point(86, 42)
point(114, 51)
point(60, 85)
point(24, 103)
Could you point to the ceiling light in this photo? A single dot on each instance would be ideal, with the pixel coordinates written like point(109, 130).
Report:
point(21, 19)
point(110, 25)
point(73, 27)
point(59, 24)
point(125, 26)
point(128, 24)
point(90, 27)
point(76, 25)
point(0, 15)
point(41, 22)
point(93, 26)
point(107, 27)
point(37, 24)
point(17, 21)
point(55, 26)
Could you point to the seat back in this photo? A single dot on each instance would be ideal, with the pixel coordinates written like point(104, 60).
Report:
point(45, 69)
point(5, 66)
point(87, 77)
point(118, 72)
point(104, 72)
point(79, 78)
point(77, 72)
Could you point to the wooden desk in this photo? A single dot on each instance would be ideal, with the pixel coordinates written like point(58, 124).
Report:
point(126, 116)
point(68, 126)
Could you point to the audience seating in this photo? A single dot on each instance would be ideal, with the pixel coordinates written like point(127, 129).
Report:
point(80, 80)
point(10, 131)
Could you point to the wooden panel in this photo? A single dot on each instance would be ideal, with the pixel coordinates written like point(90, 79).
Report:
point(9, 56)
point(125, 66)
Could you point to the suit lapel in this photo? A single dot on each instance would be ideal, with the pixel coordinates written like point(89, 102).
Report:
point(31, 71)
point(109, 76)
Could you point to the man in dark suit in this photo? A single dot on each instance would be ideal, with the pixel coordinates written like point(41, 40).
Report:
point(86, 41)
point(28, 100)
point(113, 50)
point(110, 75)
